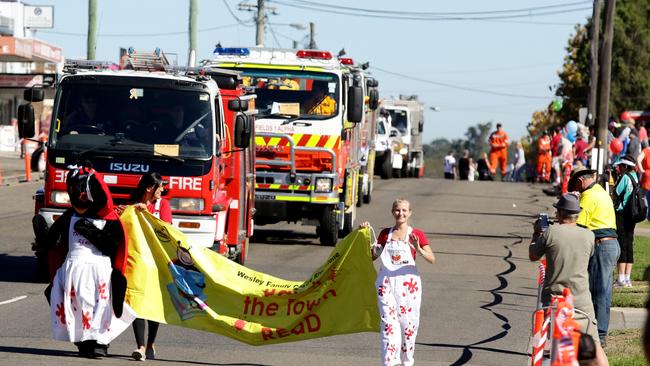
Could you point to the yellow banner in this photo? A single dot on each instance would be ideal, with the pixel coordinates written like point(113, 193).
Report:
point(172, 282)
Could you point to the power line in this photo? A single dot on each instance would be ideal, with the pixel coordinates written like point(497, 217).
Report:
point(430, 18)
point(139, 34)
point(245, 23)
point(459, 87)
point(393, 12)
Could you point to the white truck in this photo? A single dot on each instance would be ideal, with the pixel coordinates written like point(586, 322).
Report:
point(406, 118)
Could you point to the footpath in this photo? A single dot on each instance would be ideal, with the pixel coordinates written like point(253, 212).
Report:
point(12, 169)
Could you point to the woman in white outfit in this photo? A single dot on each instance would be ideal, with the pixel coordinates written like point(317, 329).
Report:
point(399, 289)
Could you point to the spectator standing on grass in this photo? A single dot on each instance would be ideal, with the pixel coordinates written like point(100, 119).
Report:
point(598, 216)
point(623, 189)
point(643, 165)
point(568, 248)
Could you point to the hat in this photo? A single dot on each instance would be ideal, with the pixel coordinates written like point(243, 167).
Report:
point(626, 160)
point(578, 172)
point(569, 202)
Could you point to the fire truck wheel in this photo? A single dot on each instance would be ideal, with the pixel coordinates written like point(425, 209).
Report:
point(405, 167)
point(386, 168)
point(367, 197)
point(347, 225)
point(417, 173)
point(360, 191)
point(328, 231)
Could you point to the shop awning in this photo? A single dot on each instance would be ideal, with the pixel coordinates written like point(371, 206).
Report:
point(14, 49)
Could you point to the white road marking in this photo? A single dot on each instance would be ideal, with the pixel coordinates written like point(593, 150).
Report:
point(13, 300)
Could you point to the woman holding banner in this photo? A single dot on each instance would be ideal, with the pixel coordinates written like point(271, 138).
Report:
point(148, 196)
point(398, 284)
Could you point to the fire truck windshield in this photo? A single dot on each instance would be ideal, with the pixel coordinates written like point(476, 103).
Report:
point(308, 95)
point(398, 118)
point(171, 121)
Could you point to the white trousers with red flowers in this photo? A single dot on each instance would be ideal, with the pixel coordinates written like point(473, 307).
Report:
point(399, 295)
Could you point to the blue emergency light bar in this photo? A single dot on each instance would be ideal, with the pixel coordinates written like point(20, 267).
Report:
point(232, 51)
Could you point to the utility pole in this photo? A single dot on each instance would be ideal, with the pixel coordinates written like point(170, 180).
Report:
point(593, 64)
point(260, 18)
point(194, 12)
point(259, 33)
point(91, 41)
point(605, 78)
point(312, 35)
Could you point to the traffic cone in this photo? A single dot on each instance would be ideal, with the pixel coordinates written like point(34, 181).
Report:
point(539, 338)
point(563, 349)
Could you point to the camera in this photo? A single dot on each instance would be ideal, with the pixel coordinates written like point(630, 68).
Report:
point(543, 221)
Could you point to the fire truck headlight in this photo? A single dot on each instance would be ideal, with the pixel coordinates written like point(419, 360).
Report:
point(60, 197)
point(186, 204)
point(323, 185)
point(403, 151)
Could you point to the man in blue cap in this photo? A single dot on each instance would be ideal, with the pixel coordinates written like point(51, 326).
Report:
point(568, 248)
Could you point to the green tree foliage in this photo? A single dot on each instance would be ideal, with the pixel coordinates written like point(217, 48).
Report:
point(630, 80)
point(630, 88)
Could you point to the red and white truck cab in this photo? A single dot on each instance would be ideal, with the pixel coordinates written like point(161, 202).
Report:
point(151, 118)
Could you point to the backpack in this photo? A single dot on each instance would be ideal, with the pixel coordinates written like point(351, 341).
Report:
point(636, 207)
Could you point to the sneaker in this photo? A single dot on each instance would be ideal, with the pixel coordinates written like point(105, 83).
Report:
point(138, 355)
point(151, 353)
point(618, 284)
point(628, 284)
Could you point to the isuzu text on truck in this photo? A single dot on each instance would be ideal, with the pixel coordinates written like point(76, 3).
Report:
point(306, 136)
point(152, 118)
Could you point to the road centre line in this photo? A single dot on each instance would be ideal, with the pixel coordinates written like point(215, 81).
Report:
point(13, 300)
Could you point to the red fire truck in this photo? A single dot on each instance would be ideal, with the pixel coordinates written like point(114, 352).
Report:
point(155, 118)
point(306, 136)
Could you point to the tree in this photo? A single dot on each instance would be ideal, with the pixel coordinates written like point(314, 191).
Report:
point(630, 84)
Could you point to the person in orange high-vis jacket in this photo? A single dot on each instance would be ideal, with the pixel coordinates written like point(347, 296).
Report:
point(544, 159)
point(498, 150)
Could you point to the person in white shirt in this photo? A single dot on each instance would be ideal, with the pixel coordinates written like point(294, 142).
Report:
point(520, 163)
point(450, 165)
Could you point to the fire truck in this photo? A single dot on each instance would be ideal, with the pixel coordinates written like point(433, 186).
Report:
point(406, 116)
point(307, 136)
point(153, 117)
point(367, 128)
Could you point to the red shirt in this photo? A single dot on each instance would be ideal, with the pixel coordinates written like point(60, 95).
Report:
point(580, 146)
point(555, 144)
point(383, 237)
point(164, 212)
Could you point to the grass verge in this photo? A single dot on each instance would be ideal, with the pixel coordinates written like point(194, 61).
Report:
point(633, 297)
point(624, 348)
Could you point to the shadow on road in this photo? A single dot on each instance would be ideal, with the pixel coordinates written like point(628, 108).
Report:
point(37, 351)
point(63, 353)
point(18, 269)
point(465, 235)
point(283, 237)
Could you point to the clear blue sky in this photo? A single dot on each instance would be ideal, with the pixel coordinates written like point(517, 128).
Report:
point(519, 56)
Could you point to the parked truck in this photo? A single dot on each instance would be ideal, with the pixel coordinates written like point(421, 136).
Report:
point(367, 128)
point(406, 116)
point(153, 118)
point(306, 136)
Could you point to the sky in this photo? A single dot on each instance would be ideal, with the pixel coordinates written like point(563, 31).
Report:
point(470, 70)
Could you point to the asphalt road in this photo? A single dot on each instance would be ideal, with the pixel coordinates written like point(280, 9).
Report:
point(476, 306)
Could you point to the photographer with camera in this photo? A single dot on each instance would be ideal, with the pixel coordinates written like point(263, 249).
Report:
point(568, 248)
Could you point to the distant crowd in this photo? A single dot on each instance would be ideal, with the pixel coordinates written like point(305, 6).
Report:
point(485, 168)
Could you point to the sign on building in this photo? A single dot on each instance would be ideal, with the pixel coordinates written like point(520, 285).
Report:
point(38, 16)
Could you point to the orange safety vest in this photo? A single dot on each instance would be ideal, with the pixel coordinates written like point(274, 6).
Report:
point(543, 145)
point(498, 140)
